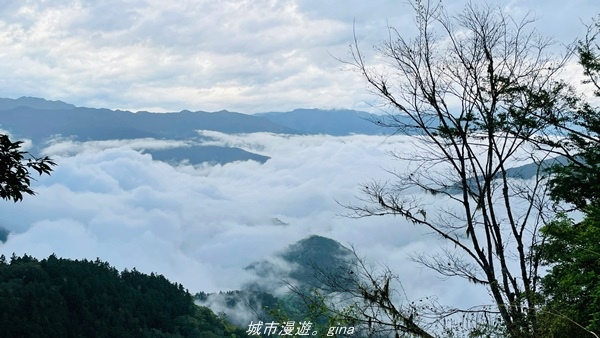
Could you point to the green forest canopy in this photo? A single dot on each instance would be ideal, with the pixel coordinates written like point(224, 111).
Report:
point(58, 297)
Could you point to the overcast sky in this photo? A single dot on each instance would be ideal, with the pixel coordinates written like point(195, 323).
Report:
point(246, 56)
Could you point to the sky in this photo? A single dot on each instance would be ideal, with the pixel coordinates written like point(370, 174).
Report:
point(240, 55)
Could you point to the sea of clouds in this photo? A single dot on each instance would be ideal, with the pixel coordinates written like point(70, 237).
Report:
point(201, 225)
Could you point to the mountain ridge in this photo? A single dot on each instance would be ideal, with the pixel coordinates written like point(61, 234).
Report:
point(66, 119)
point(82, 124)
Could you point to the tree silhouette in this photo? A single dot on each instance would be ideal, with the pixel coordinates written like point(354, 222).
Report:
point(16, 168)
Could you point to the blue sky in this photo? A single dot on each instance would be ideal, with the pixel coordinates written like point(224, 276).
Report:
point(246, 56)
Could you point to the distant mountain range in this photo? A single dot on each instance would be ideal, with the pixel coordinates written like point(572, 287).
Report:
point(39, 119)
point(330, 122)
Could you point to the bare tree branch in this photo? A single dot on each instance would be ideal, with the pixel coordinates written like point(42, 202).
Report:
point(479, 92)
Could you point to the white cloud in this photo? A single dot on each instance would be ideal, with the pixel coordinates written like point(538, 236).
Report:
point(148, 52)
point(68, 147)
point(201, 226)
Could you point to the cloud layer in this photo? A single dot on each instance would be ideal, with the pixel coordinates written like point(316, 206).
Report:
point(201, 226)
point(243, 56)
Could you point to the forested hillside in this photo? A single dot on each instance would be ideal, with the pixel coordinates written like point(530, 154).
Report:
point(58, 297)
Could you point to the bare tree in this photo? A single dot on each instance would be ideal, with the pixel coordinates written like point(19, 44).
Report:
point(373, 301)
point(367, 299)
point(474, 89)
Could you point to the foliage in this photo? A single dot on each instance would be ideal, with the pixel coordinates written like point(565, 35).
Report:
point(302, 309)
point(578, 183)
point(571, 289)
point(58, 297)
point(15, 169)
point(374, 304)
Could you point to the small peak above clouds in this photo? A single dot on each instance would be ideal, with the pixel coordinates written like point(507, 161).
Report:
point(302, 264)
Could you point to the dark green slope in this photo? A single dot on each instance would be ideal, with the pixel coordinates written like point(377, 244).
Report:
point(64, 298)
